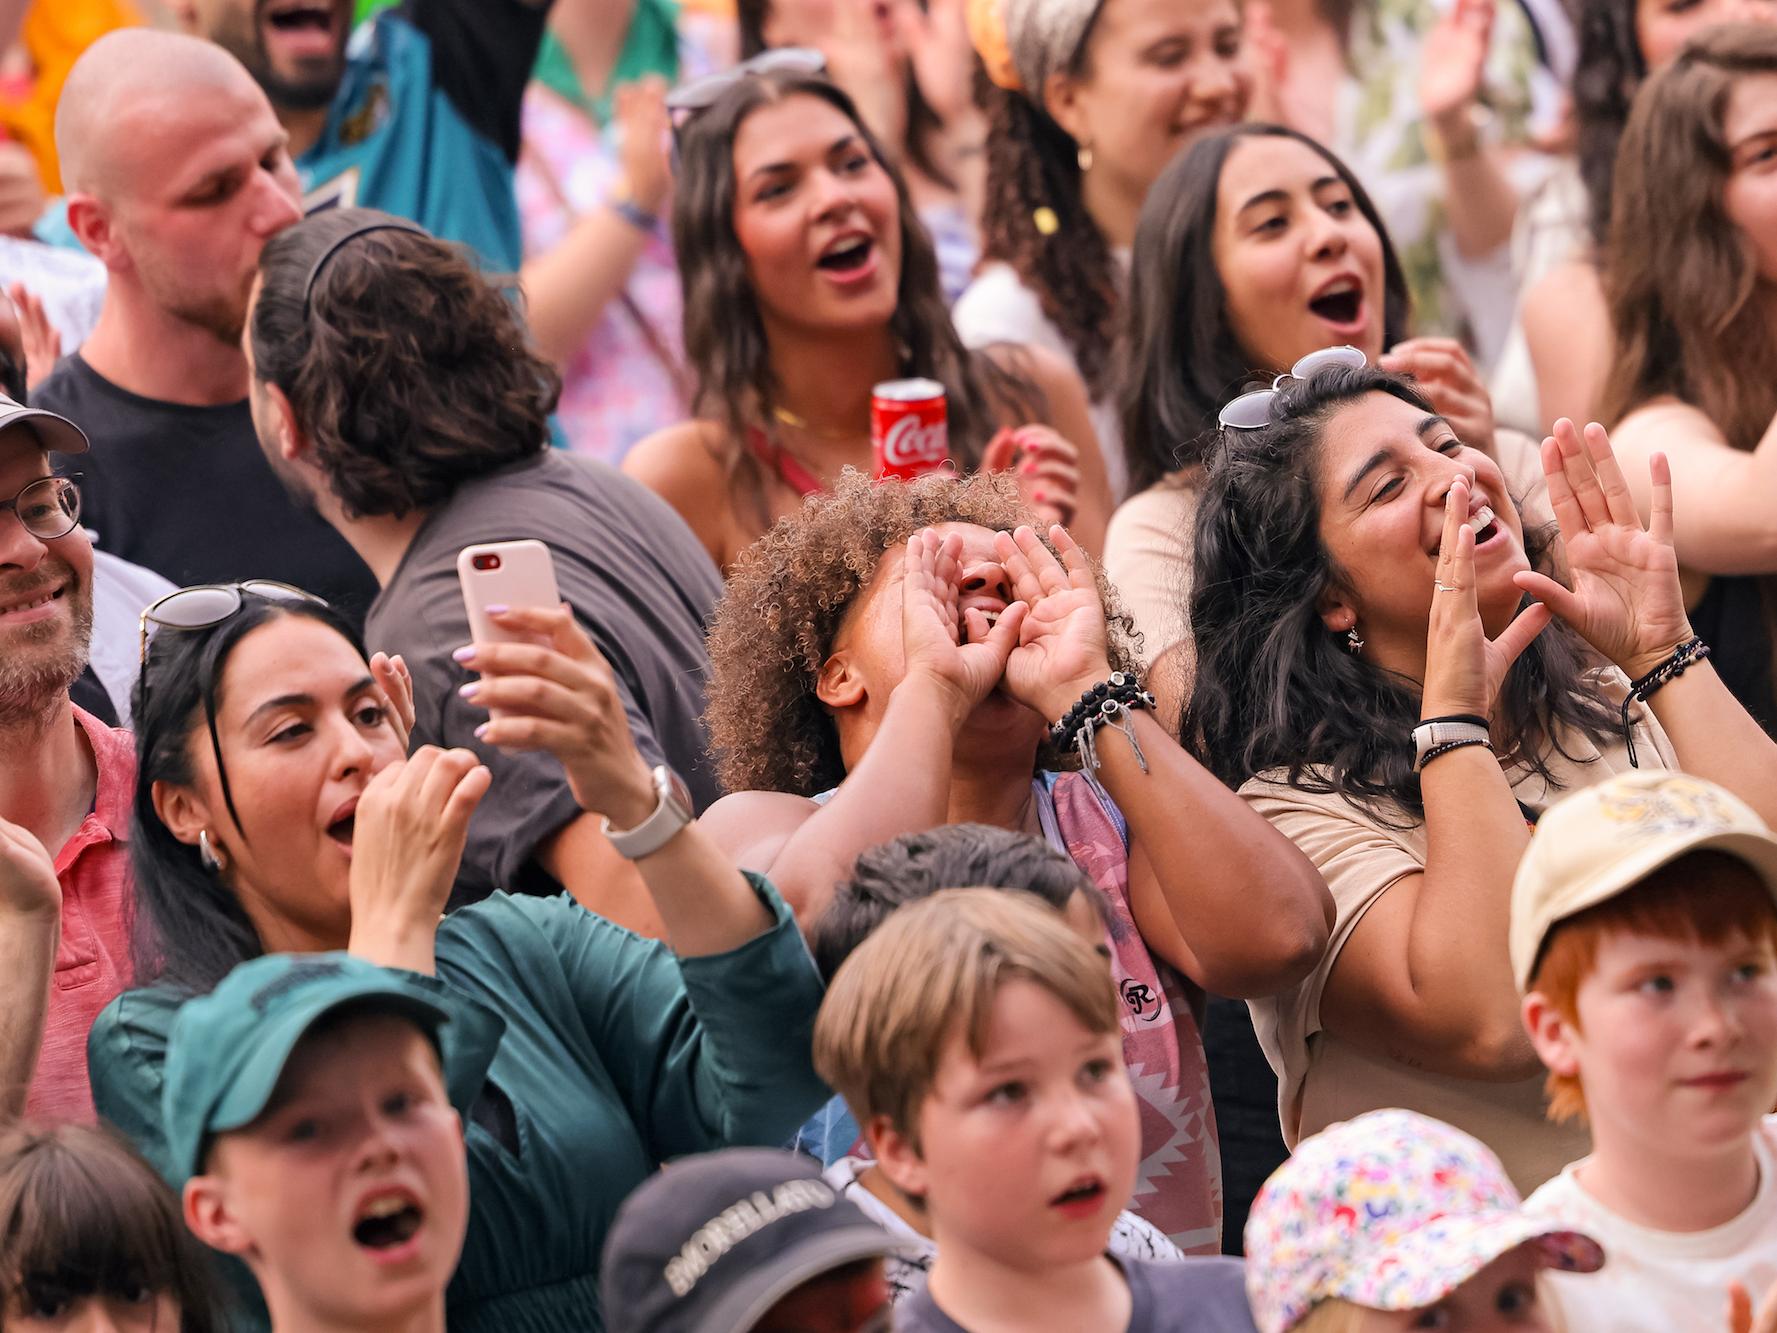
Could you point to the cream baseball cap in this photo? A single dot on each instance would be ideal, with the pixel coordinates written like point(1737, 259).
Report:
point(1598, 842)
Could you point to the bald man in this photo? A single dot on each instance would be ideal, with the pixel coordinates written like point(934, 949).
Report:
point(177, 171)
point(419, 116)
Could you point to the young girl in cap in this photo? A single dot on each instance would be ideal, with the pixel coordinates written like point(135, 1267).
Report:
point(1396, 1221)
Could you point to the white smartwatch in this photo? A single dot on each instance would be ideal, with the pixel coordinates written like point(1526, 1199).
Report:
point(673, 811)
point(1428, 736)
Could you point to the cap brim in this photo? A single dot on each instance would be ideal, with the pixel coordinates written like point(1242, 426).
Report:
point(251, 1090)
point(1479, 1240)
point(56, 434)
point(765, 1284)
point(1757, 851)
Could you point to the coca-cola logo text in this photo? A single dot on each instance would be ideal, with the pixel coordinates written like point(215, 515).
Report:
point(910, 441)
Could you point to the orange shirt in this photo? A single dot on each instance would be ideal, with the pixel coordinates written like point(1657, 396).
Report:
point(54, 34)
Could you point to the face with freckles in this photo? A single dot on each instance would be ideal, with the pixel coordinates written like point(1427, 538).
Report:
point(868, 658)
point(349, 1195)
point(302, 729)
point(1382, 471)
point(817, 218)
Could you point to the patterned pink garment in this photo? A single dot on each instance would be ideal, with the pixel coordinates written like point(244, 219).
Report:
point(1179, 1184)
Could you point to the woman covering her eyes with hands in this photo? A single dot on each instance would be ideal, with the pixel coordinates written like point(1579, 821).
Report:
point(275, 812)
point(1389, 673)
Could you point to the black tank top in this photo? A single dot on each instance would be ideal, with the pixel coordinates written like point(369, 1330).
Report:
point(1731, 620)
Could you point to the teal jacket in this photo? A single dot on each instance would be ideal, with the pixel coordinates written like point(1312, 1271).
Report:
point(613, 1056)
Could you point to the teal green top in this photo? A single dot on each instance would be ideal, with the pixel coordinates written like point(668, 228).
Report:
point(615, 1056)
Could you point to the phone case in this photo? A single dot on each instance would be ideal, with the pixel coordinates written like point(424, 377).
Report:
point(511, 574)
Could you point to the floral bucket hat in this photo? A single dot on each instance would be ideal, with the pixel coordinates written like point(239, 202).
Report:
point(1390, 1211)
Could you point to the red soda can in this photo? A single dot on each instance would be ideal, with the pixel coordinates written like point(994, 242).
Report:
point(909, 428)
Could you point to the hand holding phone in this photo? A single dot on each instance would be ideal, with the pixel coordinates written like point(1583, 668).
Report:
point(506, 574)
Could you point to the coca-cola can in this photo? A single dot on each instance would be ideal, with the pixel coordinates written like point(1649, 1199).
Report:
point(909, 428)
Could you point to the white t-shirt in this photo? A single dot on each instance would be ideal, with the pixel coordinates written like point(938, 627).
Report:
point(999, 308)
point(1663, 1281)
point(1132, 1237)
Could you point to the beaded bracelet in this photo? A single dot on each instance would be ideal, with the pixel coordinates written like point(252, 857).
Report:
point(1688, 653)
point(1107, 704)
point(1448, 746)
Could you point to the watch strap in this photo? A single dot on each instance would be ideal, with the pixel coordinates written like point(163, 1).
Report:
point(1429, 736)
point(672, 812)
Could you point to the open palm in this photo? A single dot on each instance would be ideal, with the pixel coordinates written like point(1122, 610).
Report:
point(967, 655)
point(1625, 600)
point(1063, 646)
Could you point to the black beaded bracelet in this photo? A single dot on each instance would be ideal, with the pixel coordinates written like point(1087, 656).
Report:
point(1448, 746)
point(1120, 689)
point(1687, 654)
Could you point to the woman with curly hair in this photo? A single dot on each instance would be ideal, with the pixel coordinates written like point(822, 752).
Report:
point(1563, 315)
point(1378, 674)
point(1087, 101)
point(888, 660)
point(808, 281)
point(1694, 368)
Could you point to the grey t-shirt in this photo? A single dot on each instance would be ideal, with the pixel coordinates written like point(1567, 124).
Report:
point(1183, 1296)
point(640, 584)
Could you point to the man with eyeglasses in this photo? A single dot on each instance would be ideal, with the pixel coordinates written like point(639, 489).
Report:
point(66, 782)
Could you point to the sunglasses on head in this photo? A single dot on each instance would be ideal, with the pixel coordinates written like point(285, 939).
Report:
point(685, 104)
point(1252, 411)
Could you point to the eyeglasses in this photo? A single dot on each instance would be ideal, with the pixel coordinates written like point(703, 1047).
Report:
point(684, 104)
point(207, 604)
point(47, 508)
point(1252, 411)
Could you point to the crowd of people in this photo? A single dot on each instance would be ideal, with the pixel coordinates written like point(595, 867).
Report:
point(517, 814)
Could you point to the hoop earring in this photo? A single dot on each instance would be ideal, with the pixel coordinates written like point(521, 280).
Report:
point(1084, 158)
point(1355, 644)
point(207, 854)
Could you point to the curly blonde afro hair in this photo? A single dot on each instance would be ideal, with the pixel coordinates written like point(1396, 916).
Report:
point(790, 592)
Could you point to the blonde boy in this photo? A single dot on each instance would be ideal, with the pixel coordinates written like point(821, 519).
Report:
point(975, 1037)
point(1644, 940)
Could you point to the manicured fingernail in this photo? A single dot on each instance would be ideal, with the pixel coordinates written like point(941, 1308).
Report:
point(1029, 467)
point(470, 690)
point(464, 654)
point(1038, 497)
point(482, 730)
point(498, 610)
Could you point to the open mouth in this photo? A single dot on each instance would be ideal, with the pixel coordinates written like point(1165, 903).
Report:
point(32, 602)
point(340, 830)
point(1485, 524)
point(846, 256)
point(1343, 305)
point(1081, 1198)
point(301, 17)
point(991, 617)
point(388, 1222)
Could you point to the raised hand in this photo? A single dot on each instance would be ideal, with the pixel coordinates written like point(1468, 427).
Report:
point(860, 61)
point(407, 844)
point(1452, 62)
point(1741, 1317)
point(1045, 466)
point(396, 682)
point(1063, 646)
point(560, 695)
point(1442, 369)
point(936, 36)
point(639, 110)
point(28, 884)
point(43, 341)
point(1463, 667)
point(1268, 58)
point(964, 654)
point(1625, 600)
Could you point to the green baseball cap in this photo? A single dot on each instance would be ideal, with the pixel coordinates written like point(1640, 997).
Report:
point(228, 1049)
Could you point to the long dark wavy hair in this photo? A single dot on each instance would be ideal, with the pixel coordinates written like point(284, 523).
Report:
point(190, 930)
point(1609, 70)
point(410, 372)
point(1276, 690)
point(725, 339)
point(1178, 357)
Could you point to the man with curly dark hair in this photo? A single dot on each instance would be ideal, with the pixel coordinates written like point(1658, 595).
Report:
point(902, 649)
point(394, 387)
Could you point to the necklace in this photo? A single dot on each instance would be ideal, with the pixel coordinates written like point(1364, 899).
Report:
point(788, 418)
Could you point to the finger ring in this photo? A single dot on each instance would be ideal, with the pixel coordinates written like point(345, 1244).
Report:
point(1445, 587)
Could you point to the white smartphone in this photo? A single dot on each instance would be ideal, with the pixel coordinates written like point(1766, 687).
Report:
point(509, 574)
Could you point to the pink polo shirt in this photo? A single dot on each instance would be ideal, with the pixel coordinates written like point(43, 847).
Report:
point(93, 962)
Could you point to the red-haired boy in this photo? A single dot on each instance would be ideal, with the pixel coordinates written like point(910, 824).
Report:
point(1644, 941)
